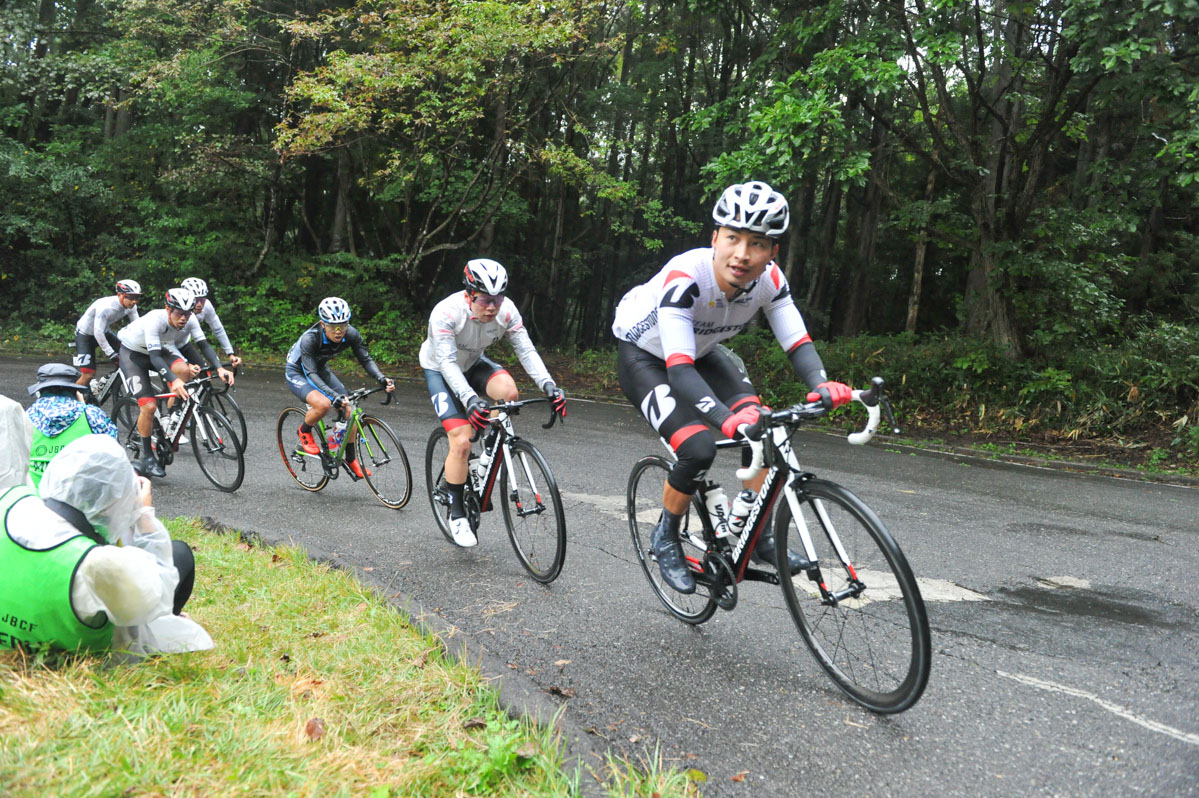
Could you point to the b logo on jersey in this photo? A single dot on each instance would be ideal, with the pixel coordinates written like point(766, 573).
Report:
point(441, 403)
point(705, 405)
point(657, 405)
point(680, 296)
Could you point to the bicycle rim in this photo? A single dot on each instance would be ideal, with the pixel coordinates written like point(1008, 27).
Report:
point(439, 498)
point(875, 646)
point(305, 469)
point(533, 512)
point(227, 406)
point(644, 509)
point(215, 447)
point(124, 415)
point(384, 462)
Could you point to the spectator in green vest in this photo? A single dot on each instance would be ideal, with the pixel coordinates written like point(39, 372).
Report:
point(59, 416)
point(61, 586)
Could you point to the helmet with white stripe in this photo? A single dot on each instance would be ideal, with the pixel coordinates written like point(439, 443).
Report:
point(755, 207)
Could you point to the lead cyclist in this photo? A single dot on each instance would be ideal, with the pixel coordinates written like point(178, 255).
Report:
point(671, 369)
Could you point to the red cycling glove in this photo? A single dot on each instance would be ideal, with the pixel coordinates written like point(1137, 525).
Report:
point(831, 394)
point(746, 415)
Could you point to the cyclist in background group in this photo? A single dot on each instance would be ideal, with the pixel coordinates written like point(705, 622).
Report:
point(670, 367)
point(311, 380)
point(205, 313)
point(457, 372)
point(152, 343)
point(94, 327)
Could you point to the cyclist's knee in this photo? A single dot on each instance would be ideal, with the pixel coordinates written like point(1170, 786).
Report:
point(502, 388)
point(696, 455)
point(460, 442)
point(319, 402)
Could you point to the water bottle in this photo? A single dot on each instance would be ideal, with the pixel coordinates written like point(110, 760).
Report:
point(718, 510)
point(481, 466)
point(739, 512)
point(339, 432)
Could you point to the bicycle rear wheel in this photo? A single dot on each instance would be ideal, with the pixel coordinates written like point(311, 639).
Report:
point(227, 406)
point(644, 509)
point(439, 497)
point(384, 462)
point(533, 512)
point(305, 469)
point(215, 446)
point(873, 640)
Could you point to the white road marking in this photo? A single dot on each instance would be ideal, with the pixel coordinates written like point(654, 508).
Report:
point(883, 585)
point(1064, 581)
point(1115, 709)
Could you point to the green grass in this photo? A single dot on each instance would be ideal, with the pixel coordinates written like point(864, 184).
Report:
point(317, 686)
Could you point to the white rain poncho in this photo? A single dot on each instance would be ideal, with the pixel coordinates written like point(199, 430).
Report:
point(16, 437)
point(134, 579)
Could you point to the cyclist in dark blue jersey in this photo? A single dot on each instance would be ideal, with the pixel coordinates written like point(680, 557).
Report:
point(310, 378)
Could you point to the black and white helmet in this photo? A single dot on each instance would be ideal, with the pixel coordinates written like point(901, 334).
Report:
point(485, 276)
point(181, 299)
point(755, 207)
point(129, 287)
point(196, 286)
point(333, 310)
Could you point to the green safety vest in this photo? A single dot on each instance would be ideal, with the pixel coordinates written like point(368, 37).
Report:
point(35, 590)
point(45, 446)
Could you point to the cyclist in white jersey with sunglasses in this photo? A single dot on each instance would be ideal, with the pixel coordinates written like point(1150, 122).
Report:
point(671, 369)
point(458, 374)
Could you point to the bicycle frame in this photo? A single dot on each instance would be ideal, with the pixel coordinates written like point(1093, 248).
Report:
point(785, 476)
point(332, 460)
point(498, 440)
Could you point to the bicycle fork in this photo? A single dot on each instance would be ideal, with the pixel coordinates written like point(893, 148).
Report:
point(514, 490)
point(855, 586)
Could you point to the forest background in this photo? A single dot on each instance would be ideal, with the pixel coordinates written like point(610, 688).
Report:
point(994, 203)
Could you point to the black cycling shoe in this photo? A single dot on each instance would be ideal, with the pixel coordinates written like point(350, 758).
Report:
point(764, 555)
point(669, 552)
point(150, 467)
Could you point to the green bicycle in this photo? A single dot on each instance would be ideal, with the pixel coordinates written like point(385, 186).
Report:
point(379, 452)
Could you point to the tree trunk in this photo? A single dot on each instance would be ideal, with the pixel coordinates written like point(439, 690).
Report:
point(921, 250)
point(341, 211)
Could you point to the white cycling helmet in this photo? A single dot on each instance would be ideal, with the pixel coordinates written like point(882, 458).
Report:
point(196, 286)
point(181, 299)
point(333, 310)
point(129, 287)
point(752, 206)
point(485, 276)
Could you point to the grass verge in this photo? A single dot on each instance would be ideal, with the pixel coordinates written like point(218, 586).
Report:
point(317, 686)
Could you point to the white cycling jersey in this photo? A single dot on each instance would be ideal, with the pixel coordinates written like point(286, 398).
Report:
point(208, 316)
point(681, 314)
point(457, 339)
point(100, 316)
point(154, 331)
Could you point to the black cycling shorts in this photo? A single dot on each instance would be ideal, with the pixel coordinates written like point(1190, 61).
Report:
point(85, 350)
point(136, 367)
point(445, 404)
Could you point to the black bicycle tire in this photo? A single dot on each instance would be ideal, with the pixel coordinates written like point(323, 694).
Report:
point(433, 474)
point(124, 415)
point(641, 547)
point(236, 418)
point(914, 681)
point(223, 428)
point(289, 445)
point(550, 488)
point(372, 421)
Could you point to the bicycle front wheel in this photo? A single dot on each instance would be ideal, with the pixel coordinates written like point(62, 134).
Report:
point(215, 446)
point(227, 406)
point(384, 462)
point(645, 509)
point(870, 633)
point(305, 469)
point(124, 415)
point(533, 512)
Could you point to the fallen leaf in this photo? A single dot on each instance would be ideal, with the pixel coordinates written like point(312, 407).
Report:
point(565, 692)
point(740, 776)
point(562, 663)
point(528, 750)
point(314, 728)
point(636, 738)
point(475, 723)
point(368, 569)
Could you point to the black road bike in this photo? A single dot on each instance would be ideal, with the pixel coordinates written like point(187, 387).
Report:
point(856, 605)
point(212, 438)
point(528, 492)
point(379, 452)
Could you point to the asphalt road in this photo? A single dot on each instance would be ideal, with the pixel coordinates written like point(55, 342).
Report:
point(1073, 668)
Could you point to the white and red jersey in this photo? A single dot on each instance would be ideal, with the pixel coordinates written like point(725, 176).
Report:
point(100, 316)
point(681, 314)
point(457, 339)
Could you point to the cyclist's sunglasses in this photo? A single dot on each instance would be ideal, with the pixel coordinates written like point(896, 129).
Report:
point(132, 297)
point(340, 327)
point(488, 300)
